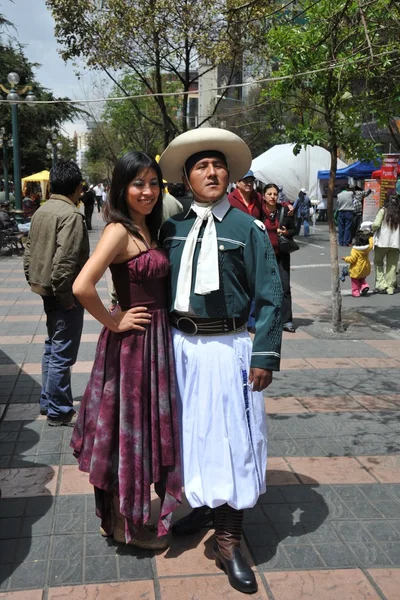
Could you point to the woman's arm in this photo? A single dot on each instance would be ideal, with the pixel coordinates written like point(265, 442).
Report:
point(378, 220)
point(288, 222)
point(112, 243)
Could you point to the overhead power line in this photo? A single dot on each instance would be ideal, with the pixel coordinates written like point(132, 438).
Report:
point(223, 89)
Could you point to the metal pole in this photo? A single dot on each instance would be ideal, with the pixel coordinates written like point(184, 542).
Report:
point(54, 154)
point(17, 164)
point(5, 167)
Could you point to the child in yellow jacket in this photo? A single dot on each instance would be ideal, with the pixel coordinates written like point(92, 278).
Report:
point(360, 267)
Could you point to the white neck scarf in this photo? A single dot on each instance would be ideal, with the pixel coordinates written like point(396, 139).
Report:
point(207, 274)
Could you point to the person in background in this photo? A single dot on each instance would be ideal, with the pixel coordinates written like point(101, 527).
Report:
point(104, 195)
point(301, 209)
point(360, 266)
point(278, 224)
point(171, 206)
point(88, 198)
point(358, 202)
point(55, 252)
point(126, 435)
point(248, 200)
point(345, 209)
point(98, 190)
point(244, 196)
point(386, 228)
point(29, 206)
point(282, 196)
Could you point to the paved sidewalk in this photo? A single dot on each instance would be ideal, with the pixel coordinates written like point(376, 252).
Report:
point(328, 527)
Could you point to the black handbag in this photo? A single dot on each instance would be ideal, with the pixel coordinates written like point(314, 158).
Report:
point(286, 245)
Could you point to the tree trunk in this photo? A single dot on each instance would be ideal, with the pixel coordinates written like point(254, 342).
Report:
point(337, 326)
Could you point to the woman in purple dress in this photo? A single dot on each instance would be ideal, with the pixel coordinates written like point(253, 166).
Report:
point(126, 434)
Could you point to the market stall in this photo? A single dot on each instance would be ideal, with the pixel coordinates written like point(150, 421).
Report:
point(42, 177)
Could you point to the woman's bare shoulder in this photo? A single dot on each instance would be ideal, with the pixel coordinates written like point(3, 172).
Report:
point(115, 231)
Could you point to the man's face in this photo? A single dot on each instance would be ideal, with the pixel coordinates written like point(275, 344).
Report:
point(246, 185)
point(77, 194)
point(209, 179)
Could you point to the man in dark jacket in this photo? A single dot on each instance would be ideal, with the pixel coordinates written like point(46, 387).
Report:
point(56, 250)
point(88, 198)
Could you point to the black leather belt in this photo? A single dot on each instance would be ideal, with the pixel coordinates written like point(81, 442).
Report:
point(201, 326)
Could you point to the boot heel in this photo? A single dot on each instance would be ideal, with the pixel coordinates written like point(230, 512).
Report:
point(219, 564)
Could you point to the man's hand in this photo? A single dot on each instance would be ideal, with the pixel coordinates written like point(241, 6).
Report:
point(260, 378)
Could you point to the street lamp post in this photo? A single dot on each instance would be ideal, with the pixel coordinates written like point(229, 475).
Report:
point(54, 146)
point(14, 98)
point(4, 140)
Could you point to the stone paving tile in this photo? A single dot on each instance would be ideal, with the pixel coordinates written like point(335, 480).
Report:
point(38, 481)
point(206, 588)
point(350, 584)
point(22, 595)
point(330, 404)
point(388, 581)
point(104, 591)
point(277, 405)
point(74, 481)
point(331, 363)
point(377, 363)
point(385, 468)
point(330, 470)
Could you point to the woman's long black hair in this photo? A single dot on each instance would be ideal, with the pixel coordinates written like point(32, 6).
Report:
point(270, 185)
point(116, 208)
point(392, 211)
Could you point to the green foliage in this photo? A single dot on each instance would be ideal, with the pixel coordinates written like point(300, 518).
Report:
point(104, 149)
point(158, 42)
point(350, 72)
point(136, 122)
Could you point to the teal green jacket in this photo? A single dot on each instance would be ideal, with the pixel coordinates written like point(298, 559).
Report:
point(248, 270)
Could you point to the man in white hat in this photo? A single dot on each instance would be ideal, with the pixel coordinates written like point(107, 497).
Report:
point(220, 260)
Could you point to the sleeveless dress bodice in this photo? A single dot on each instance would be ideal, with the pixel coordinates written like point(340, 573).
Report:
point(142, 280)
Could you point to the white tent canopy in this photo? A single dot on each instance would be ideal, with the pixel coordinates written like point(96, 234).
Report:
point(279, 165)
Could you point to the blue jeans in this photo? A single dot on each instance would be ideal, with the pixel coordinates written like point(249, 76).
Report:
point(345, 222)
point(306, 224)
point(64, 330)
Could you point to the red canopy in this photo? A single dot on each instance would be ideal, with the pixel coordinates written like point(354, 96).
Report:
point(377, 174)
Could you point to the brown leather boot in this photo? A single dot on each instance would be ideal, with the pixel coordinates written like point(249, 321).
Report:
point(227, 552)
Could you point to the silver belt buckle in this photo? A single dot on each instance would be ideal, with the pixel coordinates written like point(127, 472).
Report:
point(191, 327)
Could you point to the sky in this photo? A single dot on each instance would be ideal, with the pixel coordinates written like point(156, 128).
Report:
point(34, 28)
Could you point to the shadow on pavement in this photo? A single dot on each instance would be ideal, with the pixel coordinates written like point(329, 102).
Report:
point(25, 503)
point(283, 512)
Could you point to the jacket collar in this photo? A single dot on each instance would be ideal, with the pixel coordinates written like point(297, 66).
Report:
point(219, 210)
point(63, 198)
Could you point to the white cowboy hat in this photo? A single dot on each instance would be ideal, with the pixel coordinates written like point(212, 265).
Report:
point(235, 150)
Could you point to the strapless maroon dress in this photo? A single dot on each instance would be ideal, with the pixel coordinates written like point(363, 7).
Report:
point(126, 436)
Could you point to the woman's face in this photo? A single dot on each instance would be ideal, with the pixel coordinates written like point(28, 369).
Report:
point(143, 192)
point(271, 197)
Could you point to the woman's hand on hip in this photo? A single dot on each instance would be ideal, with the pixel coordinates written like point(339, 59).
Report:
point(134, 318)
